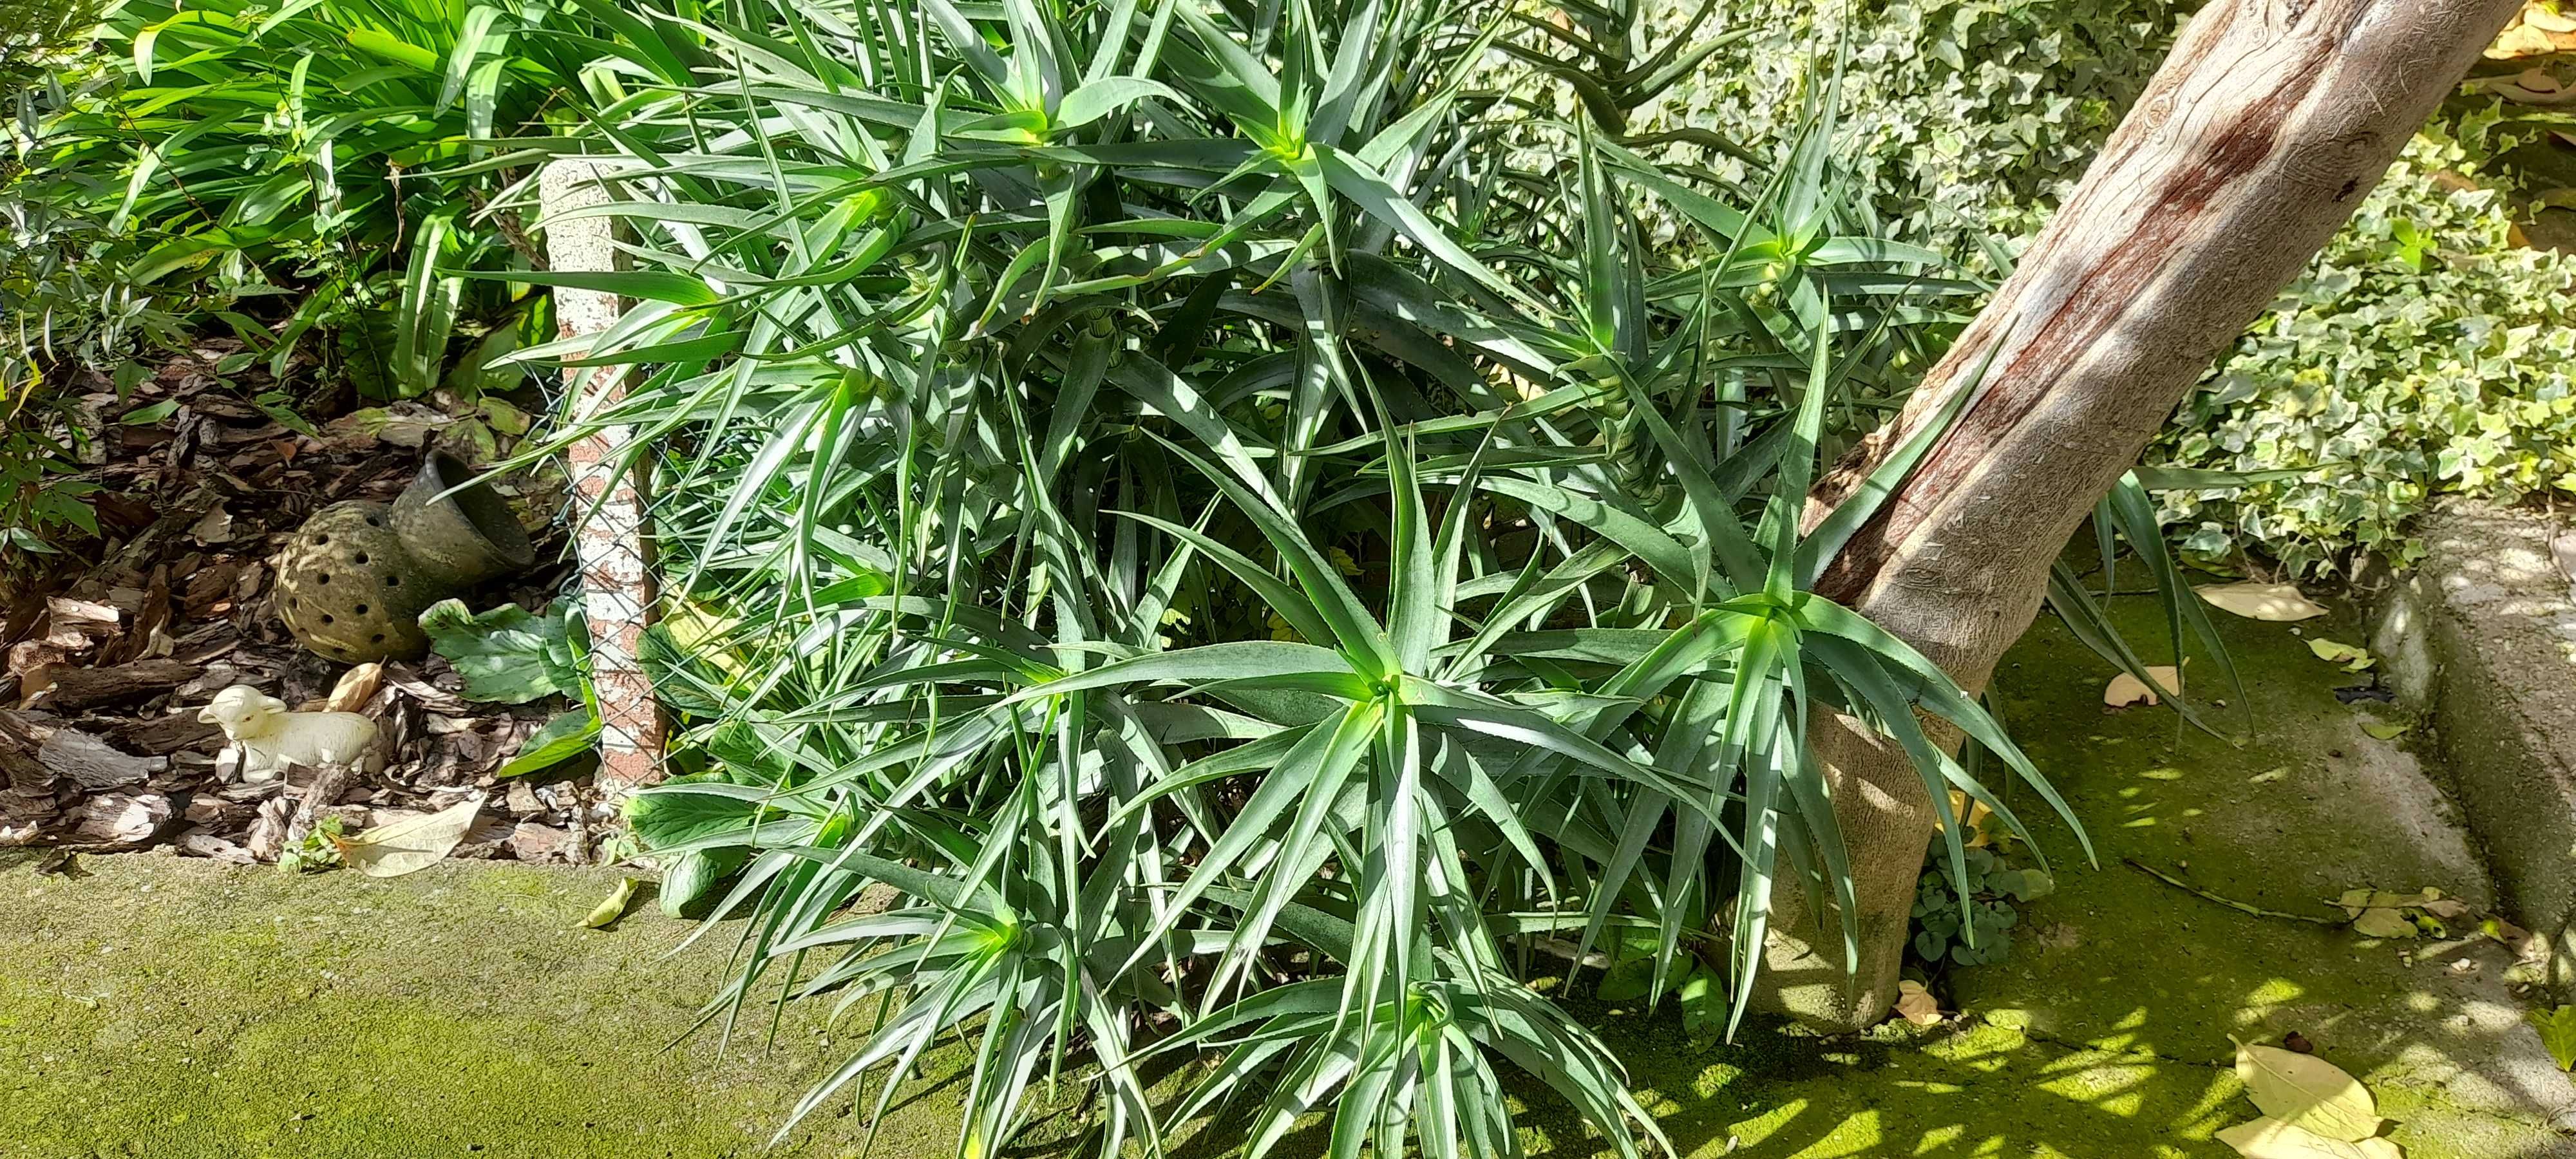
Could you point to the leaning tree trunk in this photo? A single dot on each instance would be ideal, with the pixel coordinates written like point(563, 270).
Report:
point(2264, 129)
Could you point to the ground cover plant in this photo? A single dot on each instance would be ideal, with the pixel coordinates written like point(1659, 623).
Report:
point(1237, 607)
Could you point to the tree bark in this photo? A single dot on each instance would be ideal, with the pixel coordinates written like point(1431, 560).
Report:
point(2259, 136)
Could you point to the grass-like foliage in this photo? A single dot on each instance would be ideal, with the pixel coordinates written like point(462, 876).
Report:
point(1233, 525)
point(201, 160)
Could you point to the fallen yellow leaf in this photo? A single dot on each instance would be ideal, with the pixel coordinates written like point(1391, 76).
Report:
point(2282, 603)
point(357, 686)
point(2274, 1139)
point(2307, 1092)
point(1972, 815)
point(2522, 40)
point(612, 907)
point(2125, 689)
point(2352, 657)
point(411, 844)
point(2354, 901)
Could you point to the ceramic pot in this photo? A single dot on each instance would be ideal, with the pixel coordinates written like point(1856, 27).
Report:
point(354, 580)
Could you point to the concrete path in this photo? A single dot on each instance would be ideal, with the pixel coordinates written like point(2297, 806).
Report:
point(177, 1009)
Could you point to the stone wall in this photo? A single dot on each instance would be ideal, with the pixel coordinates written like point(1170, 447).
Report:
point(2482, 637)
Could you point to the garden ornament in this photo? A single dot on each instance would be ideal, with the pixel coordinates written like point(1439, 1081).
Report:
point(272, 738)
point(357, 575)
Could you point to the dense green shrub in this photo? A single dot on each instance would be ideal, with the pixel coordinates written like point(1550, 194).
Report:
point(2422, 356)
point(309, 177)
point(322, 181)
point(303, 155)
point(53, 306)
point(37, 35)
point(1253, 549)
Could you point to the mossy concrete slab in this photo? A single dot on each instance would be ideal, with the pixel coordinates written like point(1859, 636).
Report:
point(178, 1009)
point(2310, 806)
point(2483, 636)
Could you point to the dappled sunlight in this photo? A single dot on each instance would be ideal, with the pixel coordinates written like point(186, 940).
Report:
point(2110, 1031)
point(2263, 1000)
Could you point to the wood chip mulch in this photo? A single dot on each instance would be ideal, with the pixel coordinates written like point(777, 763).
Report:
point(109, 655)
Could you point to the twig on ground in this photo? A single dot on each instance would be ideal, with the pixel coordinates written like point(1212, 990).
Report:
point(2229, 902)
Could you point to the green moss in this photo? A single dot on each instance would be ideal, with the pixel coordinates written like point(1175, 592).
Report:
point(2306, 806)
point(1967, 1088)
point(171, 1008)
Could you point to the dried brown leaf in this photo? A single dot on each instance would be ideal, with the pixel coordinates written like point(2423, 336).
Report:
point(2281, 603)
point(1916, 1004)
point(411, 844)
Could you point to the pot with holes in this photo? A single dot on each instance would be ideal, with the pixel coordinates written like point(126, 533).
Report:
point(354, 580)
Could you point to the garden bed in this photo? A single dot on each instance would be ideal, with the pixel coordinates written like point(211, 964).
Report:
point(204, 472)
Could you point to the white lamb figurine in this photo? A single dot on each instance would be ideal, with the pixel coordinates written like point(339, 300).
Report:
point(273, 738)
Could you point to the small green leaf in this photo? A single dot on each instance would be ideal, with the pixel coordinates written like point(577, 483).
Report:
point(567, 736)
point(504, 418)
point(144, 416)
point(503, 654)
point(612, 907)
point(1704, 1005)
point(1628, 981)
point(2558, 1033)
point(692, 875)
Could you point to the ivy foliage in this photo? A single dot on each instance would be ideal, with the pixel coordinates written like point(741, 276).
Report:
point(1943, 916)
point(2423, 355)
point(1964, 121)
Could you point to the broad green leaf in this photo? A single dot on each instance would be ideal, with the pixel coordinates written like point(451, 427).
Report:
point(566, 736)
point(505, 654)
point(2558, 1034)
